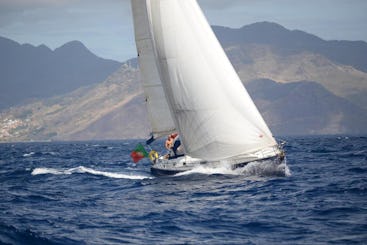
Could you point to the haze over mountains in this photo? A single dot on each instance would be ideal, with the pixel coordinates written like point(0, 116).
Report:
point(28, 72)
point(300, 83)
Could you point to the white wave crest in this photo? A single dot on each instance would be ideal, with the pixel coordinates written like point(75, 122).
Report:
point(81, 169)
point(28, 154)
point(38, 171)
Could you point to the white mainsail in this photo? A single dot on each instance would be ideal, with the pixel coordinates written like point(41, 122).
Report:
point(211, 109)
point(158, 111)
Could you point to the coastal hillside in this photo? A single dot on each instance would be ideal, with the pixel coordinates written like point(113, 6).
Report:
point(98, 111)
point(299, 91)
point(268, 50)
point(306, 108)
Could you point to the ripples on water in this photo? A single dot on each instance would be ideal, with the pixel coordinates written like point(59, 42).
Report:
point(91, 193)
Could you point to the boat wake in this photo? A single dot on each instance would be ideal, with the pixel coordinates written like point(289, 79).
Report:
point(261, 169)
point(265, 169)
point(85, 170)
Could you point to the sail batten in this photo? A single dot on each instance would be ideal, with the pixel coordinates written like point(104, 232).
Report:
point(210, 107)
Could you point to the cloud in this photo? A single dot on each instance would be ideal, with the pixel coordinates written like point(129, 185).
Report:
point(15, 13)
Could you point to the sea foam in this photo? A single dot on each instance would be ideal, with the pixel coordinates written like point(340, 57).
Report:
point(82, 169)
point(265, 168)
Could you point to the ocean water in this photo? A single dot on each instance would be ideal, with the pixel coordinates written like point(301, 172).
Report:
point(91, 193)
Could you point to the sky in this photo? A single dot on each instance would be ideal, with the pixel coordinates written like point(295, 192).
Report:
point(105, 26)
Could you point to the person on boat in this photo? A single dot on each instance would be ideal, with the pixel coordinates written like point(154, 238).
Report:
point(173, 144)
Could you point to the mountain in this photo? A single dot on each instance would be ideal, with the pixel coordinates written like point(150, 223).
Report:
point(298, 91)
point(268, 50)
point(305, 108)
point(115, 109)
point(350, 53)
point(260, 61)
point(112, 109)
point(28, 72)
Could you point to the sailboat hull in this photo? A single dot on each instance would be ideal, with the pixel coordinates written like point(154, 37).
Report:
point(164, 172)
point(180, 165)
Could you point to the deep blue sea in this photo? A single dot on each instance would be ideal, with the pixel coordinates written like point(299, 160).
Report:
point(91, 193)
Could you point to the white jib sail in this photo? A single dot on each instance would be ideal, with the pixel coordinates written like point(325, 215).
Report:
point(214, 114)
point(158, 111)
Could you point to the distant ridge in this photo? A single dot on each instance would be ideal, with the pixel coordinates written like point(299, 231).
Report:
point(29, 72)
point(351, 53)
point(268, 50)
point(298, 89)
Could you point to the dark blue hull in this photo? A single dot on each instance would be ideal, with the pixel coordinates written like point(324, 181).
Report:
point(164, 172)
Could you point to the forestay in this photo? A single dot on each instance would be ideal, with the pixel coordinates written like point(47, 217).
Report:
point(214, 114)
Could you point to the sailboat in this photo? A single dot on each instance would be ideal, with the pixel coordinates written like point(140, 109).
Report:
point(192, 88)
